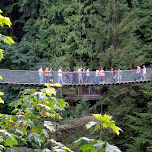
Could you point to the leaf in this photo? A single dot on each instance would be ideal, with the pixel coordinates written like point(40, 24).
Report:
point(36, 138)
point(101, 118)
point(2, 148)
point(111, 148)
point(49, 125)
point(1, 57)
point(1, 76)
point(114, 127)
point(46, 150)
point(82, 141)
point(85, 144)
point(99, 145)
point(49, 91)
point(90, 124)
point(1, 93)
point(97, 127)
point(5, 20)
point(60, 147)
point(1, 101)
point(44, 132)
point(15, 103)
point(9, 40)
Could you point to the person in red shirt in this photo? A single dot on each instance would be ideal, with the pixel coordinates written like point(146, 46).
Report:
point(67, 76)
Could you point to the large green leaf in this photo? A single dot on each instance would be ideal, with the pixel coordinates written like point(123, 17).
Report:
point(36, 137)
point(111, 148)
point(59, 147)
point(49, 125)
point(99, 145)
point(101, 118)
point(114, 127)
point(85, 144)
point(90, 124)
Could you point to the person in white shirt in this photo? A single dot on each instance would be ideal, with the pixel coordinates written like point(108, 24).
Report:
point(97, 76)
point(87, 76)
point(144, 72)
point(41, 74)
point(80, 78)
point(119, 74)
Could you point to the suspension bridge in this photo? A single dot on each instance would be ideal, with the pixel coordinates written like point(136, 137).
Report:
point(81, 90)
point(31, 78)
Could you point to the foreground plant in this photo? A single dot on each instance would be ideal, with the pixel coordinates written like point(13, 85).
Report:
point(30, 119)
point(98, 145)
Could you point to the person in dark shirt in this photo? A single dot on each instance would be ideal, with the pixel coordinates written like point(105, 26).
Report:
point(113, 75)
point(74, 77)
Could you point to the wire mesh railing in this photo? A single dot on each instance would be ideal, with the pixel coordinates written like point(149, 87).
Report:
point(25, 76)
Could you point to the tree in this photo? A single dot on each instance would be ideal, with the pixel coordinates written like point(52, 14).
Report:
point(141, 123)
point(5, 39)
point(26, 119)
point(113, 34)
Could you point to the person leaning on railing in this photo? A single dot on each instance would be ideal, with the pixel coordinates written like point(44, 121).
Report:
point(41, 74)
point(51, 75)
point(80, 78)
point(67, 76)
point(97, 76)
point(46, 74)
point(138, 72)
point(60, 76)
point(87, 76)
point(119, 75)
point(102, 74)
point(144, 72)
point(113, 75)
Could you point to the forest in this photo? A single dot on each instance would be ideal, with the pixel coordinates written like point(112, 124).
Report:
point(77, 33)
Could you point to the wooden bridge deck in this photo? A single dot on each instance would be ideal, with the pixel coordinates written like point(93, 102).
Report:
point(73, 85)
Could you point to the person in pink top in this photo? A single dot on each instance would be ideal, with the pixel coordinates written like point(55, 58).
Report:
point(138, 72)
point(67, 76)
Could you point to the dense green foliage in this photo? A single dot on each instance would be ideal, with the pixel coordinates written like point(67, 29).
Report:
point(130, 106)
point(30, 118)
point(91, 33)
point(95, 33)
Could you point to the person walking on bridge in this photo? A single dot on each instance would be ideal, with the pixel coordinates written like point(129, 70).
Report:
point(113, 75)
point(138, 72)
point(74, 77)
point(119, 74)
point(87, 76)
point(51, 75)
point(41, 74)
point(97, 76)
point(144, 72)
point(102, 74)
point(67, 76)
point(60, 75)
point(46, 74)
point(80, 78)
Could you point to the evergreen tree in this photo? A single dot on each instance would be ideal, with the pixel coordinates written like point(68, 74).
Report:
point(122, 103)
point(11, 9)
point(113, 34)
point(141, 123)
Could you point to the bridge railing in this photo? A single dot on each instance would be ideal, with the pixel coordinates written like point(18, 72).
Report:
point(25, 76)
